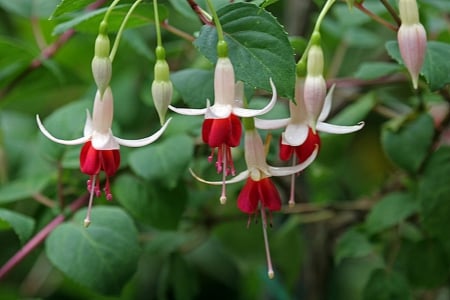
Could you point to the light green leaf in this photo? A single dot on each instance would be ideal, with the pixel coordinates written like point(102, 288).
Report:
point(258, 47)
point(416, 133)
point(23, 188)
point(389, 211)
point(434, 194)
point(436, 67)
point(21, 224)
point(165, 161)
point(351, 244)
point(373, 70)
point(89, 21)
point(150, 204)
point(384, 285)
point(29, 8)
point(103, 256)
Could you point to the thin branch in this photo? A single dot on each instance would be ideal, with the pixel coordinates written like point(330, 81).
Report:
point(392, 11)
point(40, 237)
point(44, 200)
point(177, 31)
point(45, 54)
point(202, 15)
point(376, 17)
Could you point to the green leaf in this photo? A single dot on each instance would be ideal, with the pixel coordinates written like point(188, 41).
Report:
point(68, 6)
point(389, 211)
point(165, 161)
point(373, 70)
point(89, 21)
point(150, 204)
point(258, 47)
point(103, 256)
point(195, 86)
point(434, 193)
point(427, 264)
point(23, 188)
point(436, 67)
point(415, 133)
point(351, 244)
point(384, 285)
point(21, 224)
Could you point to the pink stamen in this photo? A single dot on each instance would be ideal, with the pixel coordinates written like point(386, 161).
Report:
point(87, 220)
point(270, 271)
point(108, 190)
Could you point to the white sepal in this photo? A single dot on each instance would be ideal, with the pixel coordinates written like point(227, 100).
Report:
point(284, 171)
point(144, 141)
point(44, 131)
point(338, 129)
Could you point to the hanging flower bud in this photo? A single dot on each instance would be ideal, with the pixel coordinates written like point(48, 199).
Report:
point(101, 63)
point(412, 39)
point(162, 86)
point(315, 87)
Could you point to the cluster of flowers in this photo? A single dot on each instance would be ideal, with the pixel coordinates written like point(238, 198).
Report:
point(222, 127)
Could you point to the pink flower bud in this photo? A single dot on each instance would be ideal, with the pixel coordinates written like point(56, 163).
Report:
point(224, 82)
point(412, 39)
point(315, 87)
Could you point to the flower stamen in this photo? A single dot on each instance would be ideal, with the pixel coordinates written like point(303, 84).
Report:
point(270, 271)
point(91, 184)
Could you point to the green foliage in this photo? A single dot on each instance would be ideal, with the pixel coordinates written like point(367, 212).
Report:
point(103, 256)
point(372, 214)
point(258, 47)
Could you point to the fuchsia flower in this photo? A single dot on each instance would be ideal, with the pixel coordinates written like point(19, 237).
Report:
point(412, 39)
point(100, 151)
point(299, 136)
point(221, 128)
point(259, 192)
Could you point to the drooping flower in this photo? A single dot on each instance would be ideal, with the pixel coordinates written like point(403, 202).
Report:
point(412, 39)
point(259, 192)
point(299, 137)
point(100, 151)
point(222, 129)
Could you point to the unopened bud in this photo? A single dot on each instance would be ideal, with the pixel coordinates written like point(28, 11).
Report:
point(101, 63)
point(315, 87)
point(412, 39)
point(224, 82)
point(162, 88)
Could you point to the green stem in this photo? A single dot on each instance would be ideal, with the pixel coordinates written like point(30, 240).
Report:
point(121, 29)
point(158, 29)
point(324, 11)
point(110, 8)
point(216, 21)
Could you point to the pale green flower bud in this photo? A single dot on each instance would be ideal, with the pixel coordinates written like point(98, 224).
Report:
point(101, 63)
point(162, 88)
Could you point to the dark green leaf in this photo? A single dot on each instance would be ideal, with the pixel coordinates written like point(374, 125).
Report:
point(408, 145)
point(389, 211)
point(352, 243)
point(384, 285)
point(103, 256)
point(153, 205)
point(434, 194)
point(258, 47)
point(436, 67)
point(427, 264)
point(21, 224)
point(165, 161)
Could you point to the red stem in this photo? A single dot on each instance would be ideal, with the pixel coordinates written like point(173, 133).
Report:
point(40, 237)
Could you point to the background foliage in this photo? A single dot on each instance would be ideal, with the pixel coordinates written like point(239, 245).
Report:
point(373, 210)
